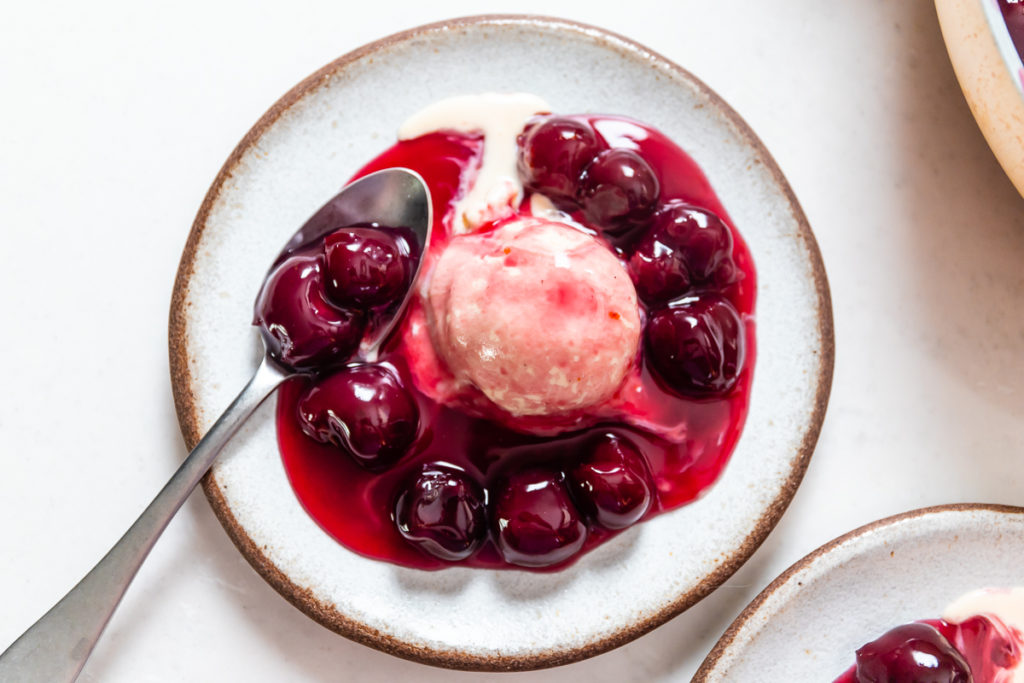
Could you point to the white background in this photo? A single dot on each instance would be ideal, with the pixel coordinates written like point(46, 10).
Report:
point(114, 119)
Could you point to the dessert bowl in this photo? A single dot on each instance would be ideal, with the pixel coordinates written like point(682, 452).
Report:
point(806, 625)
point(991, 73)
point(308, 144)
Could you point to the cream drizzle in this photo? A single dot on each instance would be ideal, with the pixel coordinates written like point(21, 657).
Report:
point(500, 118)
point(1006, 604)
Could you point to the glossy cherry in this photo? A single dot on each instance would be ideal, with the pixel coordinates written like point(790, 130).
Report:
point(443, 512)
point(553, 152)
point(300, 327)
point(912, 653)
point(685, 246)
point(611, 483)
point(618, 190)
point(534, 520)
point(363, 410)
point(659, 270)
point(366, 267)
point(697, 346)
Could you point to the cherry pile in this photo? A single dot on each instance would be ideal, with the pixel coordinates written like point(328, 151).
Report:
point(312, 312)
point(975, 650)
point(679, 255)
point(315, 304)
point(395, 475)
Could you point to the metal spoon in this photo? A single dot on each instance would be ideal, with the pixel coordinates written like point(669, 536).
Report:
point(55, 647)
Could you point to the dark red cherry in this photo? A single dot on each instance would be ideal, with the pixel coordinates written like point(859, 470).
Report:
point(659, 270)
point(534, 521)
point(618, 190)
point(685, 246)
point(442, 512)
point(363, 410)
point(553, 151)
point(697, 346)
point(299, 326)
point(913, 653)
point(366, 267)
point(611, 483)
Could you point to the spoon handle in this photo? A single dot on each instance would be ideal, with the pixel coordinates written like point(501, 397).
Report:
point(55, 648)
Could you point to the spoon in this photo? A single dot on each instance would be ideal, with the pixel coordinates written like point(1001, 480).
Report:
point(55, 647)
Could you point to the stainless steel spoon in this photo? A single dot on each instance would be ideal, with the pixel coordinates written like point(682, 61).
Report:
point(55, 648)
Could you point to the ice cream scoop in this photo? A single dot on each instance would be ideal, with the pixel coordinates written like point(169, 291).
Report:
point(539, 316)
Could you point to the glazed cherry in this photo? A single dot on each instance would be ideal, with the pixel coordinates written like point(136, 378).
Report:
point(366, 267)
point(443, 512)
point(659, 270)
point(363, 410)
point(697, 346)
point(618, 190)
point(553, 153)
point(913, 653)
point(300, 327)
point(610, 483)
point(685, 246)
point(534, 520)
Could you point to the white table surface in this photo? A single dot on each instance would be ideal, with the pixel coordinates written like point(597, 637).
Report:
point(115, 119)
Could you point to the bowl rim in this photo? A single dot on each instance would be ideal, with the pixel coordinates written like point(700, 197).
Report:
point(731, 634)
point(325, 614)
point(1004, 42)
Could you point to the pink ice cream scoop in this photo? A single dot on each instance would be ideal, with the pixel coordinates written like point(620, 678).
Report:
point(540, 317)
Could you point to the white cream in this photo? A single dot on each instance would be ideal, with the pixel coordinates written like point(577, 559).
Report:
point(1006, 604)
point(542, 207)
point(500, 118)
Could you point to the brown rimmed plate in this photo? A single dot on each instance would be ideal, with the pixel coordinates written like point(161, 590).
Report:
point(310, 142)
point(808, 623)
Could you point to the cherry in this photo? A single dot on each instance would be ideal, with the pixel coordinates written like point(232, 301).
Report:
point(365, 411)
point(535, 522)
point(697, 346)
point(913, 653)
point(553, 153)
point(611, 483)
point(300, 327)
point(686, 245)
point(443, 512)
point(659, 270)
point(618, 190)
point(366, 267)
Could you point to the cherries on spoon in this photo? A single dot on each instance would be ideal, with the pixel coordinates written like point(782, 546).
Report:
point(56, 646)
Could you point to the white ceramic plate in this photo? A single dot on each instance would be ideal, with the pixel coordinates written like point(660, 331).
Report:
point(298, 154)
point(807, 624)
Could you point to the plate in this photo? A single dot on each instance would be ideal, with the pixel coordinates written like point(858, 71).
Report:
point(991, 76)
point(299, 153)
point(808, 623)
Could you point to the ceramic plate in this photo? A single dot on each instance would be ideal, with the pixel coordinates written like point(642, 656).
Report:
point(299, 153)
point(807, 624)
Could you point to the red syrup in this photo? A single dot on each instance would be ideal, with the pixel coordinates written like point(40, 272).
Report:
point(356, 506)
point(979, 650)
